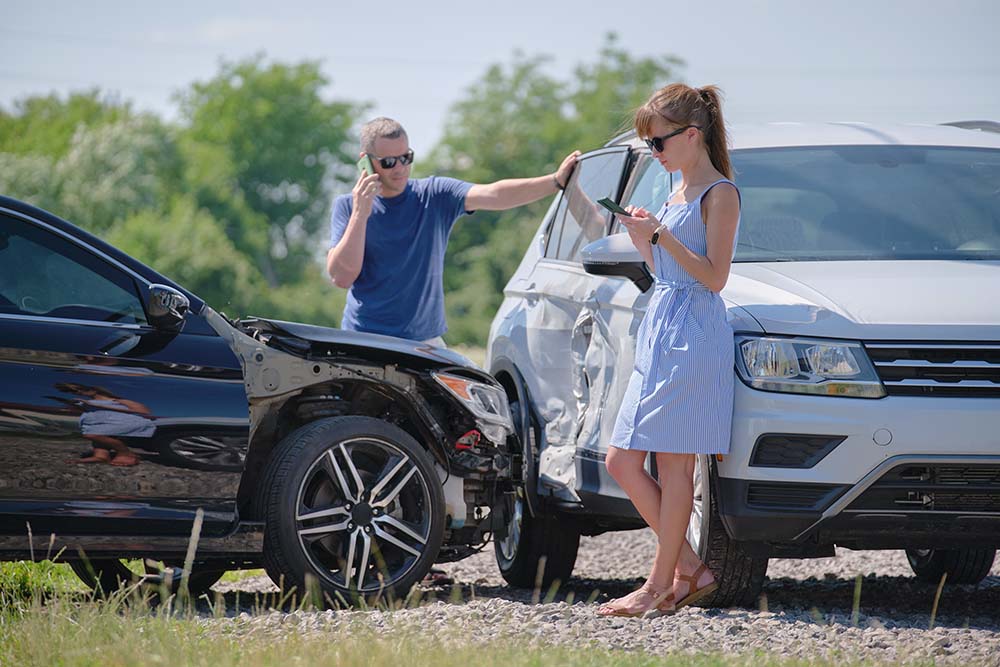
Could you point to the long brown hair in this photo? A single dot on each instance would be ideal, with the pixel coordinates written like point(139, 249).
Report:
point(682, 105)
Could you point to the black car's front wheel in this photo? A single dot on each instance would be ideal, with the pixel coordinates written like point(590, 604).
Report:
point(354, 504)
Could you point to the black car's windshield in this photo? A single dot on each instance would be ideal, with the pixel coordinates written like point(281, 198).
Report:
point(868, 202)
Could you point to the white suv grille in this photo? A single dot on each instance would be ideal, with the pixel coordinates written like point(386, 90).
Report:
point(938, 369)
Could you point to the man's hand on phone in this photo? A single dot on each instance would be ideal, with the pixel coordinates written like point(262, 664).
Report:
point(363, 195)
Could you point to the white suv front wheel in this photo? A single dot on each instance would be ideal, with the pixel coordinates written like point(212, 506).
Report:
point(740, 575)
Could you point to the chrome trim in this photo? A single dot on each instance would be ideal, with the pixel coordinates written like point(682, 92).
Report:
point(91, 323)
point(895, 513)
point(929, 346)
point(909, 382)
point(73, 239)
point(923, 363)
point(855, 491)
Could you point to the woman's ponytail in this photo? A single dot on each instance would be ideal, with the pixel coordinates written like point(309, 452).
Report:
point(716, 137)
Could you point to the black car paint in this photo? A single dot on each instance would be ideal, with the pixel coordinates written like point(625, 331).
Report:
point(193, 383)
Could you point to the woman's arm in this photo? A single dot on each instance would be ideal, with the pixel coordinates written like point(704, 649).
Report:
point(641, 242)
point(721, 213)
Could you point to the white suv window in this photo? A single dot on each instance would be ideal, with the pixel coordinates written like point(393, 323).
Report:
point(579, 220)
point(653, 187)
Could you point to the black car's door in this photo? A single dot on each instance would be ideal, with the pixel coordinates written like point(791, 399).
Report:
point(107, 424)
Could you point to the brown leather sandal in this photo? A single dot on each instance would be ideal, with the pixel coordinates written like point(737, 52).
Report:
point(695, 593)
point(663, 605)
point(607, 609)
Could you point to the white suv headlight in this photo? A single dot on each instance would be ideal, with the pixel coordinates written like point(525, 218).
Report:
point(804, 366)
point(486, 402)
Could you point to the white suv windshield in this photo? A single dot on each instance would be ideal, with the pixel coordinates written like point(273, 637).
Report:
point(868, 202)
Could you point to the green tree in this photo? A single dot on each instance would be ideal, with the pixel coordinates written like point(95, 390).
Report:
point(283, 143)
point(186, 244)
point(519, 121)
point(45, 125)
point(112, 171)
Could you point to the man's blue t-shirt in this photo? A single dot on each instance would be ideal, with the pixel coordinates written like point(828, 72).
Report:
point(399, 291)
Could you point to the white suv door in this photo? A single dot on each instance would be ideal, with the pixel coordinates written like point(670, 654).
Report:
point(559, 288)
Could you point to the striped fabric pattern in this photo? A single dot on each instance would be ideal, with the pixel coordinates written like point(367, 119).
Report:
point(680, 396)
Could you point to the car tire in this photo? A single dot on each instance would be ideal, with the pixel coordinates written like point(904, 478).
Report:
point(521, 540)
point(527, 540)
point(107, 575)
point(350, 494)
point(963, 566)
point(739, 574)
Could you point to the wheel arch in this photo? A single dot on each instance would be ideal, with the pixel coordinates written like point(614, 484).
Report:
point(352, 397)
point(511, 379)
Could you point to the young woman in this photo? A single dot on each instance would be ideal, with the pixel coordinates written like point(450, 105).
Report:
point(679, 401)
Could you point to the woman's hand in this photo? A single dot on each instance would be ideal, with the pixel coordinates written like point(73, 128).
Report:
point(640, 225)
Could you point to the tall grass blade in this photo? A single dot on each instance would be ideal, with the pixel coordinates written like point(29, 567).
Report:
point(539, 577)
point(199, 516)
point(856, 611)
point(937, 598)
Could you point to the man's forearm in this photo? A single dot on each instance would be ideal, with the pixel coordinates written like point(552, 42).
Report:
point(344, 261)
point(510, 192)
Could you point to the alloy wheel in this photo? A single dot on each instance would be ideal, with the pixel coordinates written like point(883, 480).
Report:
point(363, 514)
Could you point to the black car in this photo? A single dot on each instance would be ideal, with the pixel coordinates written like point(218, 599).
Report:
point(132, 415)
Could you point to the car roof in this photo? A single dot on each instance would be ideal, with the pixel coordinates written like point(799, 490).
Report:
point(790, 134)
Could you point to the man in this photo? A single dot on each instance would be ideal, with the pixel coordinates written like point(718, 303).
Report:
point(388, 237)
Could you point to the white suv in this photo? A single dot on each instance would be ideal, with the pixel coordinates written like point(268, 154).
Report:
point(865, 297)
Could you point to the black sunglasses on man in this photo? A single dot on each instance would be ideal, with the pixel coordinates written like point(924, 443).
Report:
point(390, 162)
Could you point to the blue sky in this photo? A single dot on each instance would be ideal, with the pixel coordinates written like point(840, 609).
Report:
point(880, 60)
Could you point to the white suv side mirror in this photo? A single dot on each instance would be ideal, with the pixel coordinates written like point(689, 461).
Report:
point(616, 256)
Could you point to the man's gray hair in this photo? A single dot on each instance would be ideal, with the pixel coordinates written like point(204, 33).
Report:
point(379, 128)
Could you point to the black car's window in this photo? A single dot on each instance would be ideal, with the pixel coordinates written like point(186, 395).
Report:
point(868, 202)
point(45, 275)
point(579, 220)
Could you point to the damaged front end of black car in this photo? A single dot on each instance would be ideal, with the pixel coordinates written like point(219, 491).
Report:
point(370, 457)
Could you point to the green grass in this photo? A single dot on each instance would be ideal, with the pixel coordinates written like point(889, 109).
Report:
point(120, 633)
point(23, 580)
point(46, 618)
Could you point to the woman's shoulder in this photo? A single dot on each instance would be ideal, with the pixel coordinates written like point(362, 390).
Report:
point(721, 191)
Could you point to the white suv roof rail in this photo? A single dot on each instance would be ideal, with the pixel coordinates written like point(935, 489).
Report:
point(983, 125)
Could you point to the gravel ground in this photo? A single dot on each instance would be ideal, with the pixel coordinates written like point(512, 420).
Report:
point(805, 611)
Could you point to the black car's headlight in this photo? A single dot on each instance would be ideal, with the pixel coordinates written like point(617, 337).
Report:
point(486, 402)
point(807, 366)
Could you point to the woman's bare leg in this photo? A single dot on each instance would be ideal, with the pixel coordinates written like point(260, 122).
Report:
point(676, 498)
point(123, 455)
point(627, 467)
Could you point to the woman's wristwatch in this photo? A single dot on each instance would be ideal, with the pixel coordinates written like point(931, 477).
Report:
point(654, 239)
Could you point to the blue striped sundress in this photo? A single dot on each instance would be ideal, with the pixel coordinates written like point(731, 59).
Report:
point(680, 396)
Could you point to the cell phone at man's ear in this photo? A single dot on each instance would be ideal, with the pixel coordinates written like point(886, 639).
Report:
point(365, 164)
point(612, 206)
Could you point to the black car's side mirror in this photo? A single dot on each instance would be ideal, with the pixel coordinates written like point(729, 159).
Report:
point(616, 256)
point(167, 307)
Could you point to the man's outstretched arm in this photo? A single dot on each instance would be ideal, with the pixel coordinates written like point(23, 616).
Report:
point(512, 192)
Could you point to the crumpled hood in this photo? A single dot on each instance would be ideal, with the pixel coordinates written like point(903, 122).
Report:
point(871, 300)
point(386, 349)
